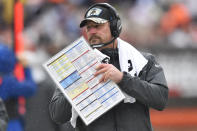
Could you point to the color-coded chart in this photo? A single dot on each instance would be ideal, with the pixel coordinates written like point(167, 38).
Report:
point(72, 69)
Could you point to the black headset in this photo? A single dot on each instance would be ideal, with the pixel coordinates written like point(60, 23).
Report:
point(115, 22)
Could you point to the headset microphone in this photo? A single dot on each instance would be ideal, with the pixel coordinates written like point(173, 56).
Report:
point(102, 44)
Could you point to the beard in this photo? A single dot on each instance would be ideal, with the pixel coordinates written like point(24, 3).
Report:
point(94, 39)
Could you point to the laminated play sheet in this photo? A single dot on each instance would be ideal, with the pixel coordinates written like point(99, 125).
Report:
point(72, 69)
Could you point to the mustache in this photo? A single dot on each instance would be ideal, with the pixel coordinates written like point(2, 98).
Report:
point(93, 37)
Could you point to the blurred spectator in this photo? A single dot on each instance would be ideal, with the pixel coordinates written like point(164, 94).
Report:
point(143, 17)
point(37, 106)
point(193, 30)
point(176, 16)
point(11, 89)
point(68, 20)
point(3, 115)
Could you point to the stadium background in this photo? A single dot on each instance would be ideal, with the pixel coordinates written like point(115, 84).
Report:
point(166, 28)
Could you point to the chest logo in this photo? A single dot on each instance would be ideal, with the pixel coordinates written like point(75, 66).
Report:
point(130, 66)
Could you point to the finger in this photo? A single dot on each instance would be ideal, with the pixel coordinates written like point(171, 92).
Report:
point(102, 78)
point(107, 76)
point(100, 71)
point(100, 66)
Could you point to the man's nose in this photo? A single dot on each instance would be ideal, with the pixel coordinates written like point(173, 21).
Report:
point(92, 30)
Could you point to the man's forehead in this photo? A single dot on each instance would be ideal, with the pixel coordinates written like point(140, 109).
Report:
point(93, 23)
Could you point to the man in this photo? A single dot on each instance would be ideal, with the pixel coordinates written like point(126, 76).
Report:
point(139, 76)
point(3, 116)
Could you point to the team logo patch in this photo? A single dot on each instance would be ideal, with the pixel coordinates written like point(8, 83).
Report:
point(130, 66)
point(94, 11)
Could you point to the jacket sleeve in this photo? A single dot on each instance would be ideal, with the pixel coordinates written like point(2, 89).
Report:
point(27, 87)
point(150, 88)
point(59, 108)
point(12, 88)
point(3, 116)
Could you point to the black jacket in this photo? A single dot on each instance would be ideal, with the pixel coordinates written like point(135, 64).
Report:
point(3, 116)
point(150, 90)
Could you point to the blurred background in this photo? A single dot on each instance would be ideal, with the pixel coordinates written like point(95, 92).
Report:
point(165, 28)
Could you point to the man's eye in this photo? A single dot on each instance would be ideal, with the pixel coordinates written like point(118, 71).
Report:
point(92, 26)
point(88, 27)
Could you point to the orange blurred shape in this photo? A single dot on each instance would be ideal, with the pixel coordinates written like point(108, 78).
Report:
point(19, 45)
point(19, 48)
point(178, 15)
point(18, 26)
point(19, 72)
point(174, 117)
point(21, 102)
point(56, 1)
